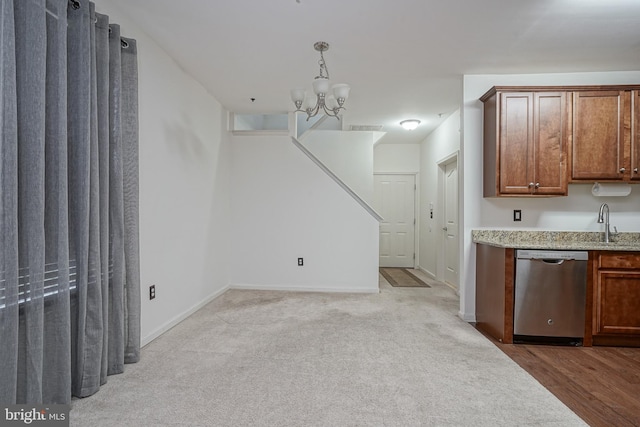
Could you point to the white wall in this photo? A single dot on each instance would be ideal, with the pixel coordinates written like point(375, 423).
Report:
point(285, 207)
point(184, 186)
point(404, 158)
point(441, 144)
point(349, 155)
point(576, 212)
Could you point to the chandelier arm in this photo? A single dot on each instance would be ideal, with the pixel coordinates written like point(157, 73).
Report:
point(333, 112)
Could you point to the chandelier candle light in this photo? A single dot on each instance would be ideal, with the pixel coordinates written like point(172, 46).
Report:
point(320, 88)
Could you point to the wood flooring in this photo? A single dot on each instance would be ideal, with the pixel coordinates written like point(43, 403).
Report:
point(600, 384)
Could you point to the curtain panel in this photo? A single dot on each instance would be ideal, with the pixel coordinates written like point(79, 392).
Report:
point(69, 251)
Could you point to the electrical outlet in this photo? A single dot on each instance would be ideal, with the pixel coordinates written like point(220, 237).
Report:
point(300, 262)
point(517, 215)
point(152, 291)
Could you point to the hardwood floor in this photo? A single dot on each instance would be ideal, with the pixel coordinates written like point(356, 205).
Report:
point(600, 384)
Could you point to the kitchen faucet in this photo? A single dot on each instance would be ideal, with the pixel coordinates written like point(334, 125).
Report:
point(603, 217)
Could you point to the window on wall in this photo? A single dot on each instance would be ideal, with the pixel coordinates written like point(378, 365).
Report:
point(267, 123)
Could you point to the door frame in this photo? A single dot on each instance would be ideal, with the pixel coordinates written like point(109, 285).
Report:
point(416, 211)
point(440, 263)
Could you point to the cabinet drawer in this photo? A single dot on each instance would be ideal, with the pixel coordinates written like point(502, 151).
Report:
point(619, 260)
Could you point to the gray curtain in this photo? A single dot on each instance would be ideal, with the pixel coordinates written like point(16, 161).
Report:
point(69, 253)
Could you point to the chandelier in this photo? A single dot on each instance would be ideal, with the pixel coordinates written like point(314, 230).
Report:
point(321, 86)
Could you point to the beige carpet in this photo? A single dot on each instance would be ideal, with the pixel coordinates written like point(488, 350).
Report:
point(402, 278)
point(257, 358)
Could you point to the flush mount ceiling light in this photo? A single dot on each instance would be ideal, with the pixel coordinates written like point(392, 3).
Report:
point(410, 124)
point(331, 106)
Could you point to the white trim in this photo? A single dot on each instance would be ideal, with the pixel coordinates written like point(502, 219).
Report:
point(471, 318)
point(180, 317)
point(440, 267)
point(433, 276)
point(427, 272)
point(303, 289)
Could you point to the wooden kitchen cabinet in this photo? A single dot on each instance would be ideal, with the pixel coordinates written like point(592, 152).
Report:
point(616, 298)
point(600, 149)
point(495, 274)
point(525, 142)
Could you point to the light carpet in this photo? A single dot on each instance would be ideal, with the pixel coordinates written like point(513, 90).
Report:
point(264, 358)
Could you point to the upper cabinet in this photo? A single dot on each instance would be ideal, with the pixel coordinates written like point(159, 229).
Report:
point(601, 137)
point(525, 142)
point(539, 139)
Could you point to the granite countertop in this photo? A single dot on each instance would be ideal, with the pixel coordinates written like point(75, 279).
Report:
point(558, 240)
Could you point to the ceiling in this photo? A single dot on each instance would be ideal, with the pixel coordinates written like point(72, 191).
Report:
point(402, 58)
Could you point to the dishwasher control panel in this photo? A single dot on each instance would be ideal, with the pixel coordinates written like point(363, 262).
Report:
point(544, 254)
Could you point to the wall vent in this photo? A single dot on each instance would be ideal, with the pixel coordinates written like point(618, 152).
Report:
point(369, 128)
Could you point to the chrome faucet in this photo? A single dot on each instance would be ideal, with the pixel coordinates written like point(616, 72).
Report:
point(603, 217)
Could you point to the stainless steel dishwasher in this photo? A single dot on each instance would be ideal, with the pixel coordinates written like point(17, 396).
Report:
point(550, 292)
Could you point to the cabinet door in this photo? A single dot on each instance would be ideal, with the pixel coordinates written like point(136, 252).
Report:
point(635, 135)
point(516, 143)
point(550, 130)
point(598, 150)
point(617, 303)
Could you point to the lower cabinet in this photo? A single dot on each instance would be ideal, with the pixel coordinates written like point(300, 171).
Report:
point(495, 273)
point(613, 296)
point(616, 298)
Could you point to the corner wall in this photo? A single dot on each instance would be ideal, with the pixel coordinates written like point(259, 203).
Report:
point(576, 212)
point(184, 186)
point(284, 208)
point(439, 145)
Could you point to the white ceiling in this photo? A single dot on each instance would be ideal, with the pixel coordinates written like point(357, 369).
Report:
point(402, 58)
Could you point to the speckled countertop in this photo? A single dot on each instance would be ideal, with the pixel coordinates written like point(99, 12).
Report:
point(559, 240)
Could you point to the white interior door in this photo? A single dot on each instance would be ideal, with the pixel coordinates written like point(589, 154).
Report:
point(394, 200)
point(451, 223)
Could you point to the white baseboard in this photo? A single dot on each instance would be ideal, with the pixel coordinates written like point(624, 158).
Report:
point(428, 273)
point(304, 289)
point(179, 318)
point(467, 317)
point(433, 276)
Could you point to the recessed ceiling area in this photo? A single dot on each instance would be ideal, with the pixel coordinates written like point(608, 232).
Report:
point(402, 59)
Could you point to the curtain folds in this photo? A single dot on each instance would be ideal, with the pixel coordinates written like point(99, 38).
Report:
point(69, 254)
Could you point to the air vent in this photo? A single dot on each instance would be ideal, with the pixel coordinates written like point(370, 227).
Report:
point(369, 128)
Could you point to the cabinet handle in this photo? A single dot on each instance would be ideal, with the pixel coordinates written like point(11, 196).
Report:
point(635, 170)
point(531, 184)
point(622, 170)
point(537, 185)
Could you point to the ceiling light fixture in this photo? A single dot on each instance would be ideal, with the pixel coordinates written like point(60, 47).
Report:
point(323, 103)
point(410, 124)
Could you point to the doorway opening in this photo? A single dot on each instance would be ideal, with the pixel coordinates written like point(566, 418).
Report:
point(448, 255)
point(395, 201)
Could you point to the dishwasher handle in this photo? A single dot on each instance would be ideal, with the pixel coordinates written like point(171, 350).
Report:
point(553, 261)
